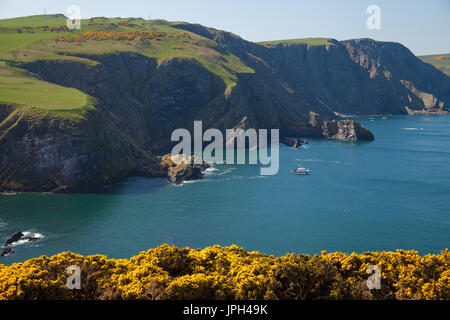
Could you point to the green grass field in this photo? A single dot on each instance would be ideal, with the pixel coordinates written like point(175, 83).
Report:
point(23, 40)
point(33, 21)
point(440, 61)
point(308, 41)
point(16, 88)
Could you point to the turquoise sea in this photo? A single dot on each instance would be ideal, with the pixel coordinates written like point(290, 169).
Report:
point(391, 193)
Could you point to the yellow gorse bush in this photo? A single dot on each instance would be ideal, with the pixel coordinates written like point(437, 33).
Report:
point(169, 272)
point(116, 36)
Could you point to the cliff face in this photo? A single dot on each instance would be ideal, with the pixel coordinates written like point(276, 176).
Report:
point(361, 76)
point(39, 152)
point(146, 101)
point(140, 101)
point(150, 100)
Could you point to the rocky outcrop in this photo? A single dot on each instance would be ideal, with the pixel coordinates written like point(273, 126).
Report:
point(330, 128)
point(18, 236)
point(183, 168)
point(43, 152)
point(185, 172)
point(345, 130)
point(439, 110)
point(291, 142)
point(14, 239)
point(6, 252)
point(350, 130)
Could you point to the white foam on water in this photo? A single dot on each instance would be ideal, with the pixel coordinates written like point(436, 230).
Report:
point(34, 234)
point(226, 171)
point(210, 170)
point(257, 177)
point(323, 161)
point(189, 181)
point(18, 243)
point(413, 129)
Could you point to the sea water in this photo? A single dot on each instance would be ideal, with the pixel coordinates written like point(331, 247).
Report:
point(391, 193)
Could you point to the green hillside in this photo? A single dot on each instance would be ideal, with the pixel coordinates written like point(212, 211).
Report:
point(440, 61)
point(18, 88)
point(32, 38)
point(308, 41)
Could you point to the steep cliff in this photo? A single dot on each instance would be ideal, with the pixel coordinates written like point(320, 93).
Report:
point(44, 152)
point(360, 76)
point(140, 90)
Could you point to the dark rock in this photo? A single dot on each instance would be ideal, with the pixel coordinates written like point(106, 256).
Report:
point(315, 119)
point(346, 130)
point(30, 237)
point(291, 142)
point(21, 236)
point(6, 252)
point(185, 172)
point(330, 128)
point(182, 168)
point(14, 238)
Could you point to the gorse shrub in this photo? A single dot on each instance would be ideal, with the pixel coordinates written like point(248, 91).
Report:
point(116, 36)
point(168, 272)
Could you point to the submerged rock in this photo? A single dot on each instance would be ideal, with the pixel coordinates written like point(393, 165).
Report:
point(291, 142)
point(6, 252)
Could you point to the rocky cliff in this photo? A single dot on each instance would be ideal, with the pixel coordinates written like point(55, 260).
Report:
point(360, 76)
point(42, 152)
point(139, 100)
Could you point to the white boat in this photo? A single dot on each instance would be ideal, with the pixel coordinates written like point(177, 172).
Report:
point(300, 171)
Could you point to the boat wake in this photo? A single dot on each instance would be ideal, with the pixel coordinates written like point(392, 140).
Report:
point(324, 161)
point(413, 129)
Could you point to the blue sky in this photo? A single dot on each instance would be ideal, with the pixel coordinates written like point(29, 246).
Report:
point(423, 26)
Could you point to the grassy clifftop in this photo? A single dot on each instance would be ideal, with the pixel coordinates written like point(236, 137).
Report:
point(440, 61)
point(22, 89)
point(230, 273)
point(28, 39)
point(307, 41)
